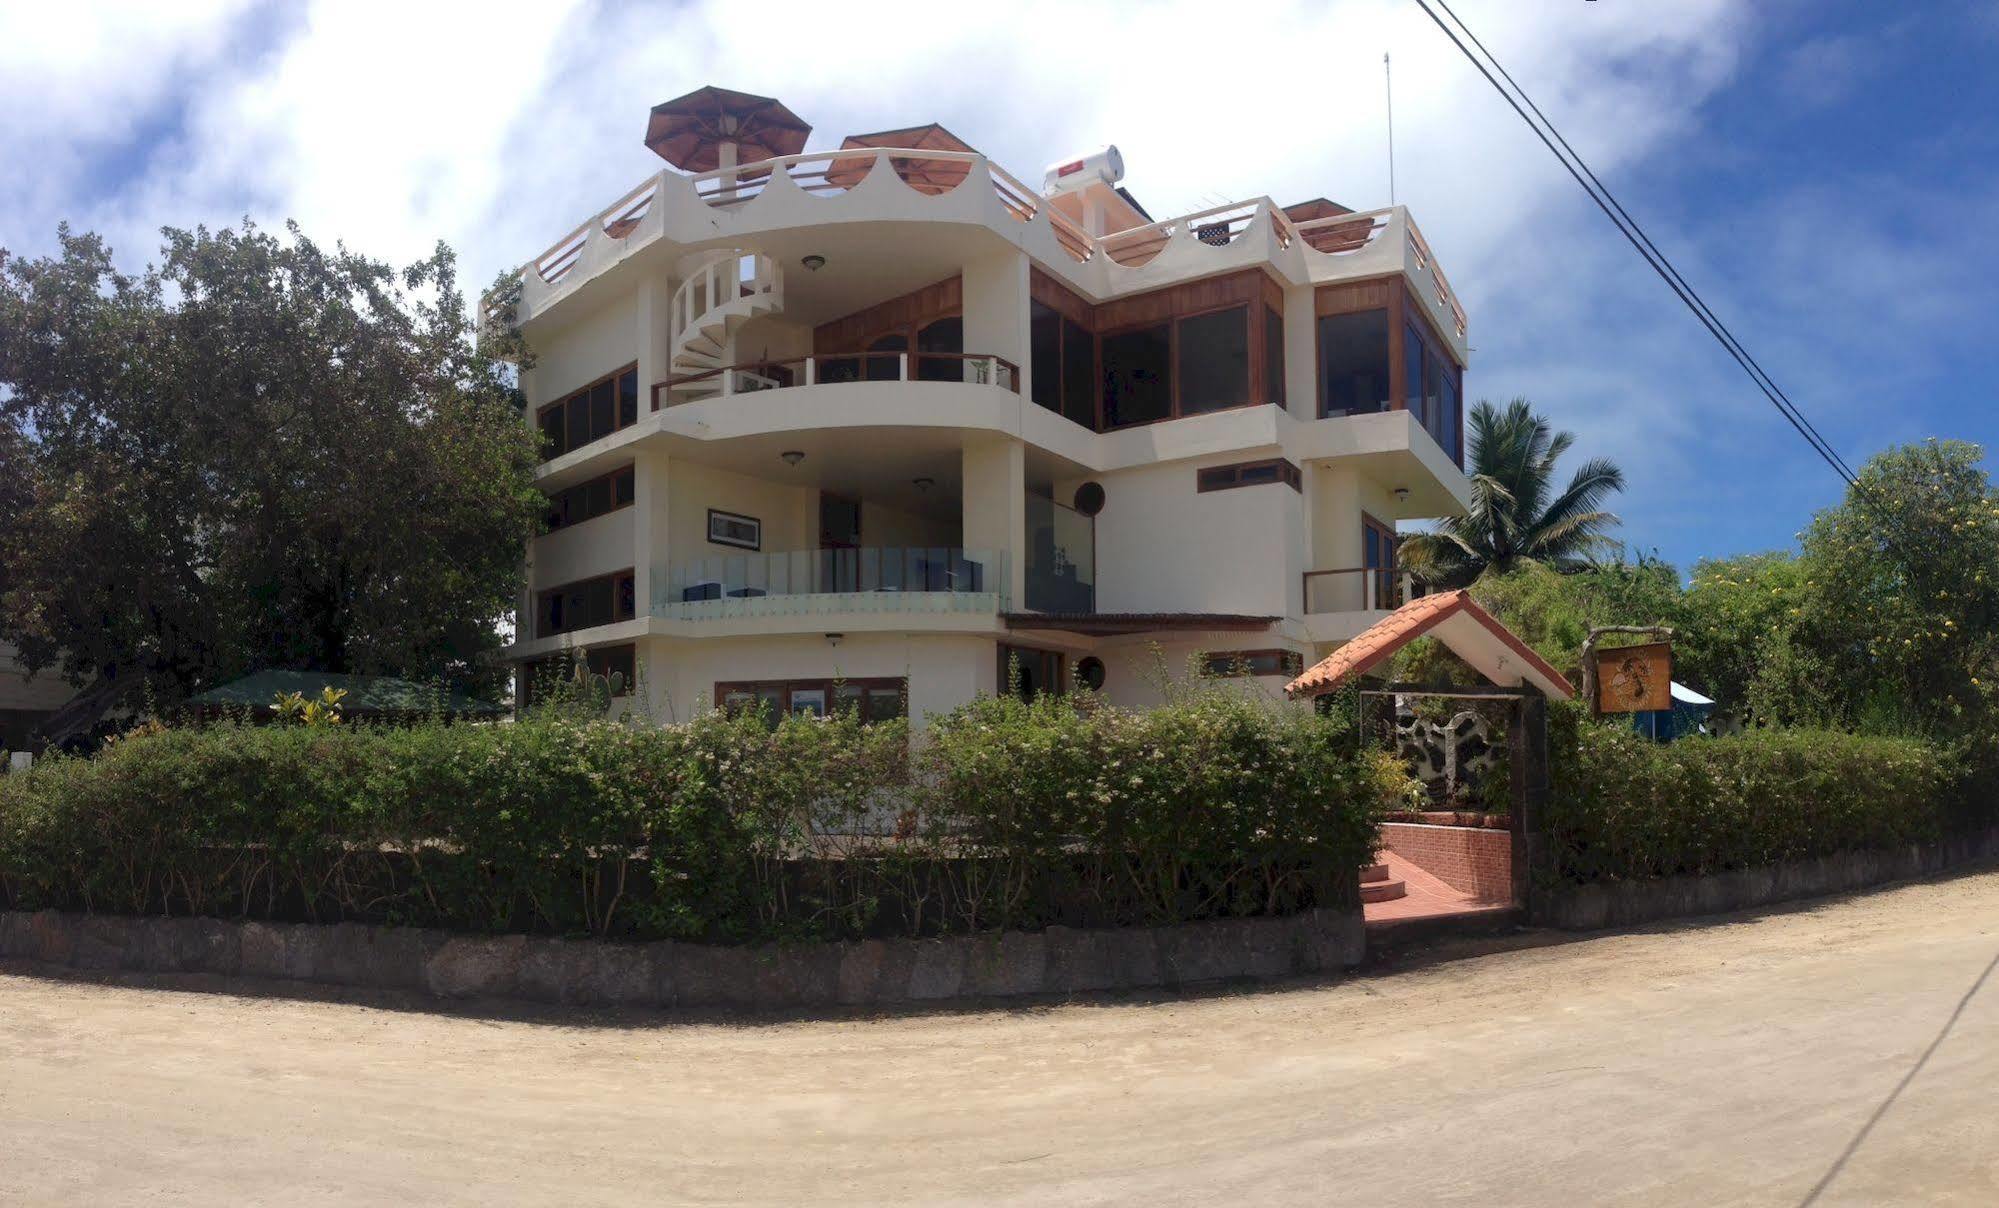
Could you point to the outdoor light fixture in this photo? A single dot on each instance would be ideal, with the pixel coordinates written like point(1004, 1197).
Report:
point(924, 483)
point(792, 457)
point(1402, 494)
point(833, 639)
point(814, 262)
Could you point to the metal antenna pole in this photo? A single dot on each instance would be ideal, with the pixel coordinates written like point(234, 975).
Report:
point(1388, 80)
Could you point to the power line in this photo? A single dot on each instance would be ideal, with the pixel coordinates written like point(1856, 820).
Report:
point(1636, 236)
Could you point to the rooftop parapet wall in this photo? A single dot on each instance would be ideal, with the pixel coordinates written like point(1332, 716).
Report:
point(730, 208)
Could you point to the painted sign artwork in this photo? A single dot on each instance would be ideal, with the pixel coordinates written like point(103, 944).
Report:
point(1634, 679)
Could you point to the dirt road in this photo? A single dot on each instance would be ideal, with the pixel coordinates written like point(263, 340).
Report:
point(1739, 1061)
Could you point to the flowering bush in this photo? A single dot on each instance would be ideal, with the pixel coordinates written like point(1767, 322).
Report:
point(727, 828)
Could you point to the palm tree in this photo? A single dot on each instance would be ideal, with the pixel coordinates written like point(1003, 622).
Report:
point(1513, 454)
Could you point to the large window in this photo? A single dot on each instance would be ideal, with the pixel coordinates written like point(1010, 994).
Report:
point(589, 500)
point(1138, 386)
point(1027, 672)
point(944, 335)
point(1440, 386)
point(1353, 363)
point(1228, 663)
point(1419, 388)
point(872, 699)
point(590, 414)
point(1213, 360)
point(585, 604)
point(1273, 356)
point(1378, 542)
point(1064, 363)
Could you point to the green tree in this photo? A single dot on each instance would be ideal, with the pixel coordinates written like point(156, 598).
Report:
point(1896, 626)
point(1515, 513)
point(257, 453)
point(1741, 613)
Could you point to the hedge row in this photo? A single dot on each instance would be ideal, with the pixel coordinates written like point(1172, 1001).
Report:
point(725, 829)
point(1625, 807)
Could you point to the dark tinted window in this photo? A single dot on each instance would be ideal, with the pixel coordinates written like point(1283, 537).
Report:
point(1214, 361)
point(1450, 416)
point(1044, 338)
point(945, 335)
point(628, 398)
point(551, 433)
point(886, 366)
point(1353, 363)
point(1079, 354)
point(1413, 394)
point(1137, 384)
point(623, 487)
point(1273, 356)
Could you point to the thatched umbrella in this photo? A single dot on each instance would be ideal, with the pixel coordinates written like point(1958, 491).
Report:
point(712, 128)
point(925, 175)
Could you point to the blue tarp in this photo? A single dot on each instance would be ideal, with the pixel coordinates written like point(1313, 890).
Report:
point(1689, 712)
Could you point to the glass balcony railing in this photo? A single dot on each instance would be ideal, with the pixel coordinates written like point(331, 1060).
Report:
point(815, 581)
point(1061, 558)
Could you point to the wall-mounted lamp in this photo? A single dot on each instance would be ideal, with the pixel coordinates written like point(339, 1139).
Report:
point(814, 262)
point(792, 457)
point(923, 483)
point(833, 639)
point(1402, 494)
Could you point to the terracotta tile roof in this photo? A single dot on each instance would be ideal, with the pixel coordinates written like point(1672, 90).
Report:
point(1391, 633)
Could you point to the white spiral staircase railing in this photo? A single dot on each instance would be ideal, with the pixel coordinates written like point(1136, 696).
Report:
point(719, 296)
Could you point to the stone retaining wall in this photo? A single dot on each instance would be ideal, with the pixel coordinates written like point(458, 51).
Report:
point(1628, 903)
point(666, 973)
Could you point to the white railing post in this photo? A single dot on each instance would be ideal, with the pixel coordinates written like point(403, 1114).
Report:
point(811, 371)
point(902, 359)
point(728, 382)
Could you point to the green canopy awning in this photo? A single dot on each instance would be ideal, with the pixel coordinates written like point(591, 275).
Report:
point(377, 694)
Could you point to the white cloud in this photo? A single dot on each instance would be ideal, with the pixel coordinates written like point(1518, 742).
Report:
point(498, 126)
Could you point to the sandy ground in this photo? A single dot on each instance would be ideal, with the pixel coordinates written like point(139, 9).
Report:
point(1830, 1050)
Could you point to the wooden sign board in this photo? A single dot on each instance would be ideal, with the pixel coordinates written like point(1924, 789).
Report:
point(1634, 679)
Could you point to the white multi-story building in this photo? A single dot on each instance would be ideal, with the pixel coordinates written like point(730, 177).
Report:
point(879, 422)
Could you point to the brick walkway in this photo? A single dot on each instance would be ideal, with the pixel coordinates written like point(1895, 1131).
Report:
point(1427, 897)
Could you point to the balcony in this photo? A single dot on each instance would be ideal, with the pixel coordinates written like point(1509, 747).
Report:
point(1339, 603)
point(826, 582)
point(752, 377)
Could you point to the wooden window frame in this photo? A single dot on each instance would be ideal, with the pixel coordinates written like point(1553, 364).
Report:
point(828, 685)
point(555, 498)
point(1392, 294)
point(1392, 542)
point(620, 581)
point(755, 546)
point(1008, 650)
point(1208, 479)
point(617, 413)
point(1235, 664)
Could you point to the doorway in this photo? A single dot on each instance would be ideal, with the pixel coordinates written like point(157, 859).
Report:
point(839, 543)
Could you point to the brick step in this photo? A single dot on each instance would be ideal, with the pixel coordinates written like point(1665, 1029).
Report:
point(1373, 872)
point(1382, 891)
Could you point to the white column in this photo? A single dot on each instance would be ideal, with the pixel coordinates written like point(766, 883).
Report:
point(651, 554)
point(996, 309)
point(995, 507)
point(653, 317)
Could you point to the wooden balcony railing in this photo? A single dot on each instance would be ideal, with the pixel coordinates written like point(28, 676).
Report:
point(782, 373)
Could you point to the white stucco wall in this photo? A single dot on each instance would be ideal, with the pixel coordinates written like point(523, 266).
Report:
point(1162, 546)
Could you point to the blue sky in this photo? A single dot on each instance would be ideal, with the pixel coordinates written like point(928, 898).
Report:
point(1826, 173)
